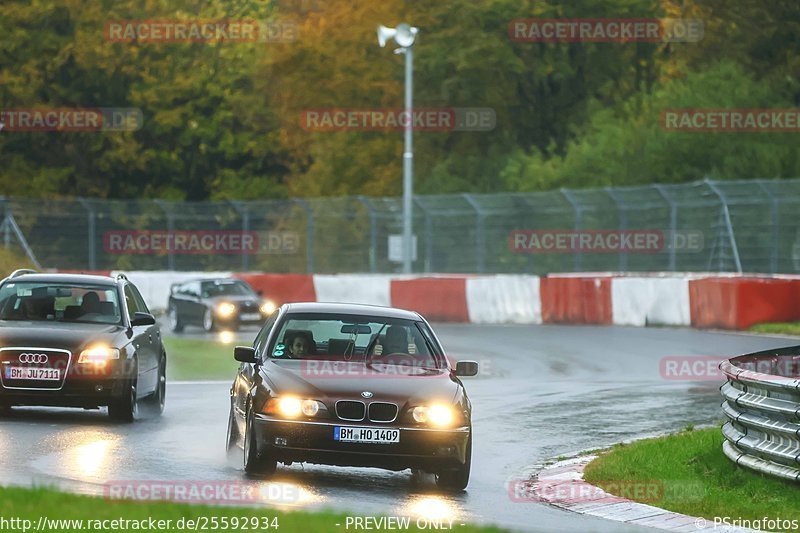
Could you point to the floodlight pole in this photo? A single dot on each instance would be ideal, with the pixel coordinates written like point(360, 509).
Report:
point(408, 163)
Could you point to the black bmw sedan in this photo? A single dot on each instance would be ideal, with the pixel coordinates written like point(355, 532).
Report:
point(216, 303)
point(351, 385)
point(80, 341)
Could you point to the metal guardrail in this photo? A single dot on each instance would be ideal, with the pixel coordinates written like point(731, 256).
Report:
point(762, 405)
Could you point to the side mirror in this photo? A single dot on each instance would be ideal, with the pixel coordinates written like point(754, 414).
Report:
point(143, 319)
point(467, 368)
point(244, 354)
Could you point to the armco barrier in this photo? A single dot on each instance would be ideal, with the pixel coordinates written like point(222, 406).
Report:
point(740, 302)
point(762, 405)
point(437, 299)
point(576, 300)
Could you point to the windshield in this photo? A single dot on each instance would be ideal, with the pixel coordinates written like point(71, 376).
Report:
point(212, 289)
point(352, 338)
point(59, 302)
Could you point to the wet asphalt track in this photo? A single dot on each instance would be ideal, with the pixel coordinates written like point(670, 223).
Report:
point(544, 391)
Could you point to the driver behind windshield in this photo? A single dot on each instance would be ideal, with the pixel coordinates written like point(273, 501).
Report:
point(396, 341)
point(90, 303)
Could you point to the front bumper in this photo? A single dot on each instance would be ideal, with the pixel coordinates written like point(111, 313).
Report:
point(237, 320)
point(432, 450)
point(84, 386)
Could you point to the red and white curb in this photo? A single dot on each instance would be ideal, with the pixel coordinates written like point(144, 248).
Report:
point(605, 505)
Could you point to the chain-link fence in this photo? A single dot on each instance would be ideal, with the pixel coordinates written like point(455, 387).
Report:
point(748, 226)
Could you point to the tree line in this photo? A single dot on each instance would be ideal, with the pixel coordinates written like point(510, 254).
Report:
point(223, 119)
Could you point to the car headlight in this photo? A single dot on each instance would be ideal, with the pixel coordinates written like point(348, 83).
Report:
point(98, 354)
point(268, 307)
point(291, 407)
point(226, 309)
point(435, 415)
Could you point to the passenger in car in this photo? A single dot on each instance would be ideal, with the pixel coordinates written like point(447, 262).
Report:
point(298, 345)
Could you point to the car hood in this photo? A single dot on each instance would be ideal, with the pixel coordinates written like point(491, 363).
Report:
point(347, 380)
point(69, 336)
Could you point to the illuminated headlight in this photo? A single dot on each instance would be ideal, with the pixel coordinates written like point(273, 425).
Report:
point(98, 354)
point(268, 307)
point(226, 309)
point(434, 415)
point(291, 407)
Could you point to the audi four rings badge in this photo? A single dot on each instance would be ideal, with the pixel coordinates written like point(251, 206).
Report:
point(33, 358)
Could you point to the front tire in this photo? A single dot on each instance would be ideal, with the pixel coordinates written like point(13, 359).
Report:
point(175, 323)
point(233, 434)
point(208, 321)
point(457, 480)
point(154, 404)
point(125, 409)
point(253, 463)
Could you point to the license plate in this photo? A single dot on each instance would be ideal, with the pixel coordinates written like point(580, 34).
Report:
point(251, 316)
point(37, 374)
point(367, 435)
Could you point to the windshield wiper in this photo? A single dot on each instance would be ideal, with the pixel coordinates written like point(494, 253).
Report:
point(368, 350)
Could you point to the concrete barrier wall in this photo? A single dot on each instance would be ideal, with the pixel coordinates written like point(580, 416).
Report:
point(738, 303)
point(576, 300)
point(354, 288)
point(282, 288)
point(438, 299)
point(645, 301)
point(697, 300)
point(504, 300)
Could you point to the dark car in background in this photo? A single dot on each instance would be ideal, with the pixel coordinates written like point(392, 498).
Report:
point(216, 303)
point(82, 341)
point(351, 385)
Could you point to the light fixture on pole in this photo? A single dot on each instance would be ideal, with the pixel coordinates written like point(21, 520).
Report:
point(405, 35)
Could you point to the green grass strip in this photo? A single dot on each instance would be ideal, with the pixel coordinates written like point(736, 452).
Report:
point(20, 504)
point(199, 359)
point(694, 478)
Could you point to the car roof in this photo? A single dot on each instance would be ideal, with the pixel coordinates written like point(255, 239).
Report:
point(351, 309)
point(66, 278)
